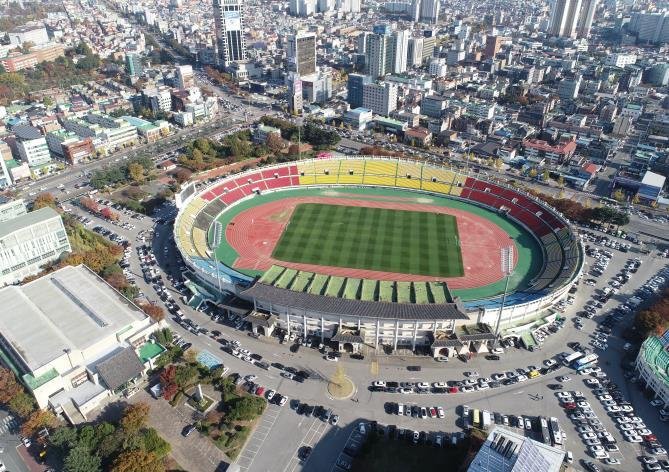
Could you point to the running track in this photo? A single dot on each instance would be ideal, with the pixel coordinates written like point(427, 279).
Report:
point(253, 234)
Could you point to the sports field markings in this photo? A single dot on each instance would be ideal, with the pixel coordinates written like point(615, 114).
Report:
point(370, 238)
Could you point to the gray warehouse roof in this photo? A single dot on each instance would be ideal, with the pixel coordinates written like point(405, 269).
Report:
point(28, 219)
point(71, 308)
point(121, 367)
point(334, 305)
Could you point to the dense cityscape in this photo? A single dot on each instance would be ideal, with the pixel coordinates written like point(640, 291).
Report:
point(334, 235)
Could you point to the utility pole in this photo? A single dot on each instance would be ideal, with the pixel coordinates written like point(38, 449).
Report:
point(217, 239)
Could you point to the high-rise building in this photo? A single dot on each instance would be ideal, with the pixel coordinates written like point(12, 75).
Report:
point(492, 46)
point(380, 98)
point(415, 10)
point(415, 52)
point(301, 53)
point(568, 88)
point(429, 11)
point(185, 77)
point(229, 24)
point(376, 55)
point(355, 86)
point(133, 63)
point(585, 18)
point(650, 27)
point(400, 50)
point(294, 95)
point(564, 18)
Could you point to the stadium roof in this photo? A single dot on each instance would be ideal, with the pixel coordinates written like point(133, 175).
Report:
point(27, 219)
point(334, 305)
point(69, 309)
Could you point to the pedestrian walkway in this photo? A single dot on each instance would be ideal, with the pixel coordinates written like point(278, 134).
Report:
point(8, 425)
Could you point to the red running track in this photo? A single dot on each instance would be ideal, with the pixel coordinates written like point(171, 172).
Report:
point(253, 234)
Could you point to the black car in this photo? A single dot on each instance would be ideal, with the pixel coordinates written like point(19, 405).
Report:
point(304, 452)
point(302, 408)
point(492, 357)
point(555, 386)
point(187, 430)
point(356, 356)
point(304, 374)
point(414, 368)
point(310, 411)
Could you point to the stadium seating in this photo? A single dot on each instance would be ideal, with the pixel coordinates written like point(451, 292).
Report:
point(561, 249)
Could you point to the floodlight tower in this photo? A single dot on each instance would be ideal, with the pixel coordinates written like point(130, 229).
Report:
point(506, 260)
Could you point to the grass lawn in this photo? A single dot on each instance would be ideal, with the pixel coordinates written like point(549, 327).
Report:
point(385, 455)
point(408, 242)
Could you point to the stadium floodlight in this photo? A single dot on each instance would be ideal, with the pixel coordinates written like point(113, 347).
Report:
point(506, 261)
point(217, 239)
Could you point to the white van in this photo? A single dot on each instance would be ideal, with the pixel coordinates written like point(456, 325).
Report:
point(400, 409)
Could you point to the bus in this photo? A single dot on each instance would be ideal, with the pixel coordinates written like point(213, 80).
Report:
point(476, 418)
point(585, 361)
point(545, 435)
point(556, 432)
point(567, 361)
point(485, 419)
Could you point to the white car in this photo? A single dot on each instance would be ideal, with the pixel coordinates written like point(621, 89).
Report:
point(440, 385)
point(549, 362)
point(564, 378)
point(378, 383)
point(612, 409)
point(270, 394)
point(440, 412)
point(423, 386)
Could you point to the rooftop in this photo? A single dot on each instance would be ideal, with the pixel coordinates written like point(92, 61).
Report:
point(69, 309)
point(26, 220)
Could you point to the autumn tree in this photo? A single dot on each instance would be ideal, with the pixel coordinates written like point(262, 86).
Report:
point(22, 404)
point(155, 312)
point(137, 461)
point(135, 417)
point(108, 214)
point(89, 204)
point(136, 172)
point(44, 199)
point(274, 142)
point(37, 420)
point(9, 387)
point(182, 175)
point(619, 195)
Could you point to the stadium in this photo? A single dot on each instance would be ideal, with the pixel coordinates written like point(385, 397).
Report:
point(369, 252)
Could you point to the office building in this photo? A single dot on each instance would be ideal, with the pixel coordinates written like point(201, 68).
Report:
point(301, 53)
point(652, 366)
point(585, 18)
point(74, 341)
point(620, 60)
point(492, 46)
point(380, 98)
point(355, 86)
point(568, 88)
point(133, 64)
point(377, 54)
point(229, 25)
point(68, 146)
point(317, 87)
point(414, 52)
point(507, 451)
point(31, 145)
point(429, 11)
point(30, 241)
point(400, 50)
point(650, 27)
point(185, 77)
point(414, 10)
point(10, 209)
point(294, 93)
point(34, 34)
point(564, 18)
point(5, 158)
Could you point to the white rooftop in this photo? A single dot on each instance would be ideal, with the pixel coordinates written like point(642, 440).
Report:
point(507, 451)
point(653, 179)
point(71, 308)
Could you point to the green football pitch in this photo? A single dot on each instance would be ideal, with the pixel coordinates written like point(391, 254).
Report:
point(407, 242)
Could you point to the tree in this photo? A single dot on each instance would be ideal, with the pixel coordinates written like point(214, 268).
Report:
point(63, 437)
point(136, 172)
point(164, 336)
point(137, 461)
point(81, 459)
point(155, 444)
point(533, 172)
point(648, 322)
point(22, 404)
point(636, 199)
point(245, 408)
point(108, 214)
point(37, 420)
point(155, 312)
point(274, 142)
point(182, 175)
point(185, 375)
point(560, 181)
point(546, 175)
point(89, 204)
point(44, 199)
point(135, 417)
point(619, 195)
point(9, 387)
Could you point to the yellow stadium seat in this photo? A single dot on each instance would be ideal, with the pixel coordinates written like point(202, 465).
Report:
point(327, 179)
point(200, 242)
point(307, 179)
point(379, 180)
point(436, 187)
point(381, 168)
point(346, 178)
point(414, 169)
point(408, 183)
point(305, 167)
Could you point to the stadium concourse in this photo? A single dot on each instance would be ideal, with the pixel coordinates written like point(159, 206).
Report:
point(375, 285)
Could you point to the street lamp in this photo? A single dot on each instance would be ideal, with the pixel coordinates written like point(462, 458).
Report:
point(506, 260)
point(217, 239)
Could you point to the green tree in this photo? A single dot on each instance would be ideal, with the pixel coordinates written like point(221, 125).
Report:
point(560, 181)
point(22, 404)
point(155, 444)
point(136, 172)
point(245, 408)
point(63, 437)
point(546, 175)
point(636, 199)
point(619, 195)
point(81, 459)
point(185, 375)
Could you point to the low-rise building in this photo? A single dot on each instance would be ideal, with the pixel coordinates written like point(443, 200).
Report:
point(10, 209)
point(652, 365)
point(30, 241)
point(540, 149)
point(68, 146)
point(74, 340)
point(358, 118)
point(31, 145)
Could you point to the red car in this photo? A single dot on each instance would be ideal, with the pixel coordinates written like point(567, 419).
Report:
point(453, 390)
point(650, 437)
point(260, 391)
point(433, 412)
point(570, 406)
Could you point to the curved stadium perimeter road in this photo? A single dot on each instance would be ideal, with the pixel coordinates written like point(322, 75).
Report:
point(273, 447)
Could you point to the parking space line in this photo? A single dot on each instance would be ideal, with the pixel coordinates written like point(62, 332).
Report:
point(259, 436)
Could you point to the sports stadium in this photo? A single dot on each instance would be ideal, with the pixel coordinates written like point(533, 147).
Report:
point(368, 252)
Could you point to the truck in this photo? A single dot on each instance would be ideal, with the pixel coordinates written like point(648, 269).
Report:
point(545, 434)
point(567, 361)
point(485, 419)
point(556, 432)
point(585, 361)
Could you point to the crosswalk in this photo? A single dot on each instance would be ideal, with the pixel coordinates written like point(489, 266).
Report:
point(8, 424)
